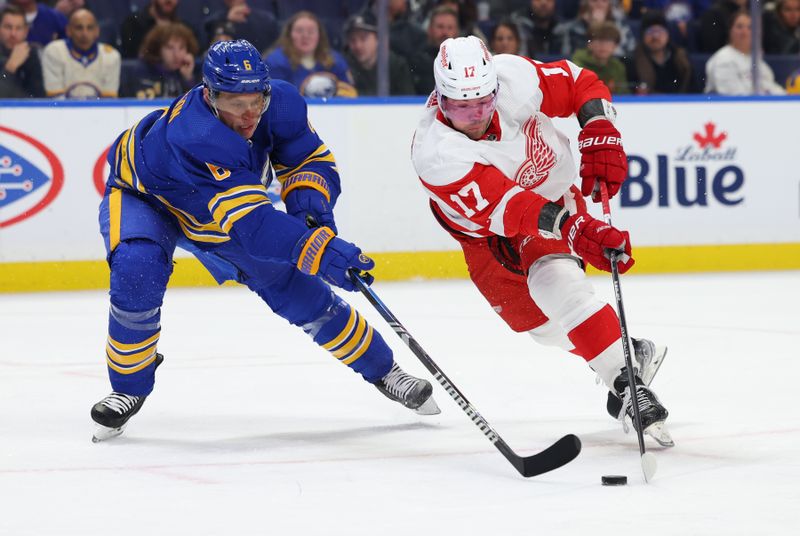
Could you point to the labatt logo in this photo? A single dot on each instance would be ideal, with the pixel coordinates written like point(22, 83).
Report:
point(31, 176)
point(699, 173)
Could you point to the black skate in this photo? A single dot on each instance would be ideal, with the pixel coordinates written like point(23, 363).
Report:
point(113, 412)
point(413, 393)
point(649, 358)
point(652, 413)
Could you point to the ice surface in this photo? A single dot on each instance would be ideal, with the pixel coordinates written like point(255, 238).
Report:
point(254, 430)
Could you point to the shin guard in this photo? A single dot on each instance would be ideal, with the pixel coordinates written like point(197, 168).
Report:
point(346, 334)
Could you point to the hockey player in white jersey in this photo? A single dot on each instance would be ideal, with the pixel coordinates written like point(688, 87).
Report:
point(500, 180)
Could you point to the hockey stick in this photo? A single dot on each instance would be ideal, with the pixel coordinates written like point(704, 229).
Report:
point(559, 453)
point(649, 464)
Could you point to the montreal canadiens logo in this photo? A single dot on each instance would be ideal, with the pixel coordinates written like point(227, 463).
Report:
point(31, 176)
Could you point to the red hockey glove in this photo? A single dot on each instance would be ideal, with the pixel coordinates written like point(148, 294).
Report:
point(592, 240)
point(602, 158)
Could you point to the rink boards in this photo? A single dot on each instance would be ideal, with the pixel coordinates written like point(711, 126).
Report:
point(713, 186)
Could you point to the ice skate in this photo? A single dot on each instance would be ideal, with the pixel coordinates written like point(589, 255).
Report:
point(649, 359)
point(413, 393)
point(113, 412)
point(651, 411)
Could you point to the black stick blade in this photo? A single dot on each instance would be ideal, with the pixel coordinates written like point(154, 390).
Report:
point(559, 453)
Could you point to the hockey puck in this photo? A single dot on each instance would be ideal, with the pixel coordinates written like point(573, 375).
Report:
point(614, 480)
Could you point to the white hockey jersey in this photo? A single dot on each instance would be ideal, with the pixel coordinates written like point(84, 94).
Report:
point(498, 184)
point(69, 73)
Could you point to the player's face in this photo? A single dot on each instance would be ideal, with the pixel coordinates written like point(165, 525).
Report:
point(13, 30)
point(472, 116)
point(241, 112)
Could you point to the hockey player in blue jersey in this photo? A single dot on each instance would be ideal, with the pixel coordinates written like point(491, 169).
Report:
point(195, 175)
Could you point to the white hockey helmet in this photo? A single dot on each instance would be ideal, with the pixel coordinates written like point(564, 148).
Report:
point(464, 69)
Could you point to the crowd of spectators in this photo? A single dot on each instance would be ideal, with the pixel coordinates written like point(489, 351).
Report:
point(152, 48)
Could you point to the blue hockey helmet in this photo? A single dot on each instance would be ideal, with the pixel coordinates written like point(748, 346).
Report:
point(235, 67)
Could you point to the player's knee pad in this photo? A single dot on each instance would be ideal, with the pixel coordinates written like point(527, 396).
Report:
point(140, 270)
point(560, 289)
point(346, 334)
point(551, 334)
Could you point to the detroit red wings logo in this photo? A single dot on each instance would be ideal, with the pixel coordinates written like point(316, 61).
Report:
point(539, 157)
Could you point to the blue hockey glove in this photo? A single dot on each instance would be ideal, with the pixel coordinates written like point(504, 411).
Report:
point(304, 202)
point(320, 252)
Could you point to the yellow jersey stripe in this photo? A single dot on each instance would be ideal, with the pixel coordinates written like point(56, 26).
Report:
point(330, 345)
point(124, 170)
point(133, 347)
point(353, 341)
point(114, 217)
point(321, 154)
point(131, 158)
point(129, 360)
point(224, 206)
point(240, 213)
point(131, 370)
point(363, 348)
point(234, 192)
point(191, 226)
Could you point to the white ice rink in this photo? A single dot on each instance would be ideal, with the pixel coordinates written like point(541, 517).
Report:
point(254, 430)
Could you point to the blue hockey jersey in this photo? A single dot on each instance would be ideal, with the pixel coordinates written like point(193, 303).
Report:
point(214, 182)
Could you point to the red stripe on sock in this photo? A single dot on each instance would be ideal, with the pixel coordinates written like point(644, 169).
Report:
point(595, 334)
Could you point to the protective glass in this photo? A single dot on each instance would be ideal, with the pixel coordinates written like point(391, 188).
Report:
point(471, 110)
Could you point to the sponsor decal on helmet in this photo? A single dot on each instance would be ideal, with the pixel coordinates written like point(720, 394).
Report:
point(31, 176)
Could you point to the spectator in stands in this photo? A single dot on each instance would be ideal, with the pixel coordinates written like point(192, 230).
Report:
point(44, 23)
point(361, 35)
point(598, 56)
point(536, 24)
point(222, 31)
point(679, 15)
point(67, 7)
point(505, 38)
point(166, 66)
point(782, 28)
point(658, 65)
point(443, 24)
point(138, 24)
point(573, 34)
point(22, 73)
point(258, 26)
point(80, 66)
point(303, 57)
point(714, 24)
point(466, 11)
point(729, 72)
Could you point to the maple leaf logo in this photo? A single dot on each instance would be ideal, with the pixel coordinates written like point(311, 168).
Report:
point(709, 138)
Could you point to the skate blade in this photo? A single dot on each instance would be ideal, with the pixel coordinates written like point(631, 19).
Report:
point(429, 407)
point(649, 372)
point(104, 433)
point(659, 432)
